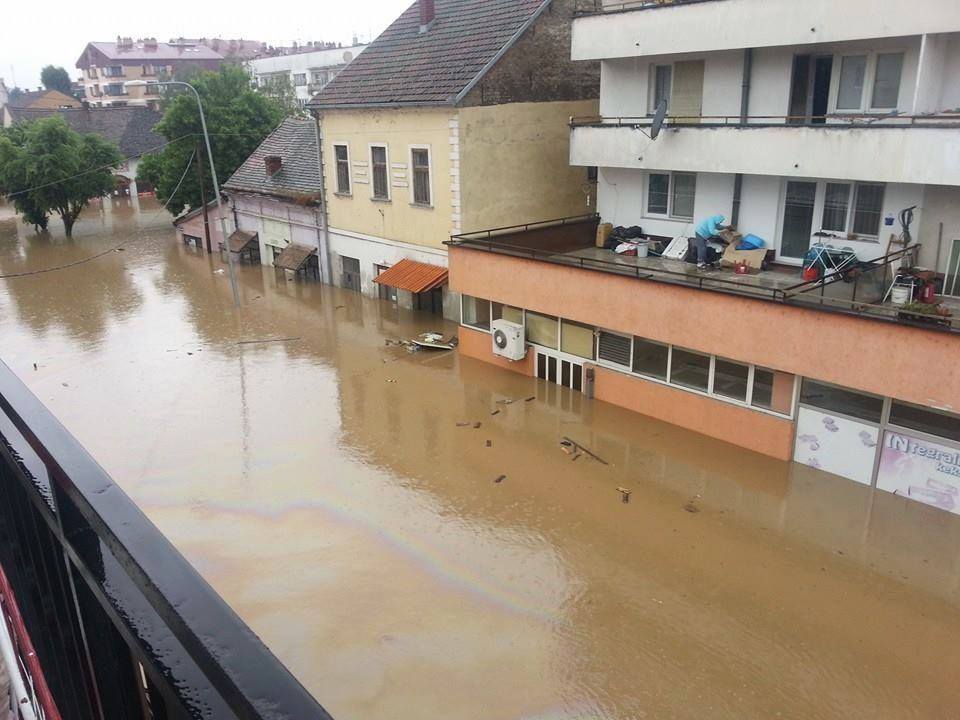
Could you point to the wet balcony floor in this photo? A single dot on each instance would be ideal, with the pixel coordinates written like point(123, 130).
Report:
point(333, 488)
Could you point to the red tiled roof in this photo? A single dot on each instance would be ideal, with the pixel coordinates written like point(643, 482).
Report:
point(417, 277)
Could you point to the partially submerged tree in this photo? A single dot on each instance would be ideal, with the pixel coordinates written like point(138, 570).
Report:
point(238, 118)
point(45, 166)
point(56, 78)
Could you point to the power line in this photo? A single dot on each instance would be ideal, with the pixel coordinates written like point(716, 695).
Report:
point(26, 273)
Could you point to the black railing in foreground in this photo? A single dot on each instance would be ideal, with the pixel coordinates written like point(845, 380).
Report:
point(123, 625)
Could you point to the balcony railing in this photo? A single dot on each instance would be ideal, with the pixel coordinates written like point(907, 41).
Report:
point(859, 291)
point(828, 122)
point(594, 7)
point(122, 625)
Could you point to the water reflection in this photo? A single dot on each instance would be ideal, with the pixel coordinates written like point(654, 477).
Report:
point(335, 490)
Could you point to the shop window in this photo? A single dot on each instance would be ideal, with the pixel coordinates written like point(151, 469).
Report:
point(690, 370)
point(730, 379)
point(541, 329)
point(613, 348)
point(506, 312)
point(842, 401)
point(475, 312)
point(925, 420)
point(650, 358)
point(576, 339)
point(772, 390)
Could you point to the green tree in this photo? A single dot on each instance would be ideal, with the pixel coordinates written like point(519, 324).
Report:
point(45, 166)
point(56, 78)
point(15, 93)
point(238, 119)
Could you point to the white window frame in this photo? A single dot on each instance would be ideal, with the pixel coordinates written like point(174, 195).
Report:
point(373, 184)
point(670, 190)
point(336, 169)
point(869, 77)
point(413, 199)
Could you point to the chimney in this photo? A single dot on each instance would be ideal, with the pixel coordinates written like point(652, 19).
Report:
point(273, 163)
point(428, 14)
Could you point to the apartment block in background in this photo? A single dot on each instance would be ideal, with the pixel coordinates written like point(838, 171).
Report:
point(307, 68)
point(455, 118)
point(803, 123)
point(106, 66)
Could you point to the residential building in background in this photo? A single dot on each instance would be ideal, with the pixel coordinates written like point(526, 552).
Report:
point(38, 99)
point(129, 128)
point(307, 68)
point(232, 50)
point(455, 117)
point(828, 131)
point(276, 200)
point(106, 66)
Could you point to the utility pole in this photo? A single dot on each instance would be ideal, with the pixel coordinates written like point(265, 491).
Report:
point(203, 197)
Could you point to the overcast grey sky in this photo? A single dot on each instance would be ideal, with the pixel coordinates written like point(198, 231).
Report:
point(54, 32)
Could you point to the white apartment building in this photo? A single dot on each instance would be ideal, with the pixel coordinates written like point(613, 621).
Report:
point(801, 121)
point(307, 71)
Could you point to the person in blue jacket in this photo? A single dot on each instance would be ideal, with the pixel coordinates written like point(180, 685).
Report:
point(707, 230)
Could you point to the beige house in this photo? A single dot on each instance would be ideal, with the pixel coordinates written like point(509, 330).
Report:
point(107, 66)
point(454, 119)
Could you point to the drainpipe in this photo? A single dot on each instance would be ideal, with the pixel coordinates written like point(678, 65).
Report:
point(323, 205)
point(744, 114)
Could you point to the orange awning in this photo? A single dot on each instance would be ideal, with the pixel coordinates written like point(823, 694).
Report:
point(417, 277)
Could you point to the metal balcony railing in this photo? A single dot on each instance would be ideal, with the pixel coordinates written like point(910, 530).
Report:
point(122, 625)
point(598, 7)
point(827, 122)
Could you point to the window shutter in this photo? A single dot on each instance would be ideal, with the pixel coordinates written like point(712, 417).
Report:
point(614, 348)
point(686, 100)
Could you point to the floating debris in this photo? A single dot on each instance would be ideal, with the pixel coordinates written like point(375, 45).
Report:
point(489, 443)
point(531, 398)
point(569, 446)
point(624, 494)
point(391, 380)
point(339, 307)
point(476, 426)
point(690, 507)
point(500, 479)
point(463, 424)
point(495, 412)
point(505, 402)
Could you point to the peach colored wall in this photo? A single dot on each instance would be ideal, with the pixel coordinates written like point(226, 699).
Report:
point(760, 432)
point(908, 363)
point(476, 344)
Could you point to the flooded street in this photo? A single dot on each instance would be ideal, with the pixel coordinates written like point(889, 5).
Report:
point(333, 488)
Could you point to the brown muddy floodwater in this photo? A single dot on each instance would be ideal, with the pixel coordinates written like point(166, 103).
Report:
point(324, 487)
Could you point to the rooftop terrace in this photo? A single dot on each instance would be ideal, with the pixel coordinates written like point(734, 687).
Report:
point(861, 291)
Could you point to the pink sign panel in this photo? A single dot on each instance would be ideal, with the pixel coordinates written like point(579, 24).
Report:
point(921, 470)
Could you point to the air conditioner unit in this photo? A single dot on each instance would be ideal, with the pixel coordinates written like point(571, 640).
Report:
point(508, 340)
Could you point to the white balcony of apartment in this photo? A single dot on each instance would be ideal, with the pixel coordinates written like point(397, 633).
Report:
point(880, 110)
point(605, 29)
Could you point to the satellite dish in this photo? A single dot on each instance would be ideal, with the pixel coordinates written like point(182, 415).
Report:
point(658, 117)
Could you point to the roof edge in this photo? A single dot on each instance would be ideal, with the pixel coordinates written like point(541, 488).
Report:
point(501, 52)
point(383, 106)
